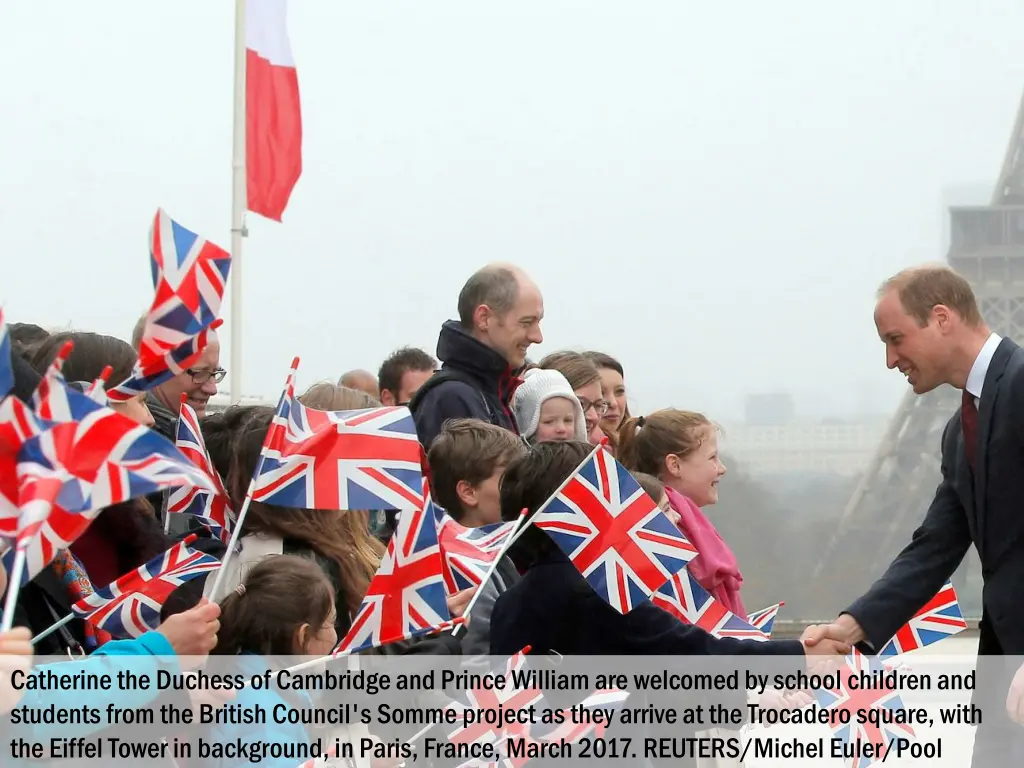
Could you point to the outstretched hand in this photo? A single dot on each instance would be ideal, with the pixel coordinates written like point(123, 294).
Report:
point(844, 629)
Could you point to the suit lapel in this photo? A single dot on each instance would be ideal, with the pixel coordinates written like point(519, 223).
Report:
point(989, 395)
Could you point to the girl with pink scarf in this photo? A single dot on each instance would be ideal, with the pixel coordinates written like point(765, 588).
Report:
point(680, 448)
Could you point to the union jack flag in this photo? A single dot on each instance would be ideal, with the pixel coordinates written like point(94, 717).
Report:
point(41, 496)
point(55, 477)
point(366, 459)
point(613, 532)
point(6, 367)
point(938, 619)
point(406, 597)
point(211, 509)
point(484, 699)
point(49, 403)
point(148, 374)
point(765, 618)
point(189, 278)
point(130, 606)
point(858, 699)
point(97, 390)
point(569, 731)
point(468, 552)
point(688, 601)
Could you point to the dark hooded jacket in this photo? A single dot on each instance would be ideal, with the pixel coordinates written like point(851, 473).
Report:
point(475, 382)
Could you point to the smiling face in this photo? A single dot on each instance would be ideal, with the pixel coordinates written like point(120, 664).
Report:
point(513, 333)
point(613, 390)
point(199, 382)
point(921, 353)
point(697, 474)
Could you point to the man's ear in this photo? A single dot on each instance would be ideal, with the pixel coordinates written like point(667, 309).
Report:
point(466, 494)
point(481, 315)
point(387, 397)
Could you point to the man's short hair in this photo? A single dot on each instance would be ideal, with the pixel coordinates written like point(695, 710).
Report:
point(921, 289)
point(495, 286)
point(392, 370)
point(469, 450)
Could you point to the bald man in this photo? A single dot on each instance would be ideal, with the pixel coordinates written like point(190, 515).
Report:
point(500, 310)
point(362, 380)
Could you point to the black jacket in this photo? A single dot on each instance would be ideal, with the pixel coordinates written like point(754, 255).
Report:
point(474, 382)
point(553, 609)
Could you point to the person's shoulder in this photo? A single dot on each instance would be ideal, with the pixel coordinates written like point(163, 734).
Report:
point(450, 383)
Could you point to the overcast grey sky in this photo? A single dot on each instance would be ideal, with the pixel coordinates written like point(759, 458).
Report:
point(709, 191)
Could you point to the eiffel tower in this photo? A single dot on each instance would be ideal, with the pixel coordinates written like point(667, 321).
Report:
point(987, 248)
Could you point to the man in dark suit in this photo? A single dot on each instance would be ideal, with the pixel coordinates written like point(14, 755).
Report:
point(934, 334)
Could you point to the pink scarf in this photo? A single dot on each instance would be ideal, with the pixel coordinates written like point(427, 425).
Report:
point(715, 568)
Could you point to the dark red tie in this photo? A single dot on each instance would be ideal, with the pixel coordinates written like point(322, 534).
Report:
point(969, 422)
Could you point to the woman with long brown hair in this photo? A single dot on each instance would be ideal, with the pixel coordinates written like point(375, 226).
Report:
point(339, 541)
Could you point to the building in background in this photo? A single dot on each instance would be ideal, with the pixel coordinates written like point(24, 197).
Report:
point(773, 440)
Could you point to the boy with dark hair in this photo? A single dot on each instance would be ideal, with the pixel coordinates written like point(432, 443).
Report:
point(467, 461)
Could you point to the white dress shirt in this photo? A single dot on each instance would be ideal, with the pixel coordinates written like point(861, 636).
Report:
point(976, 378)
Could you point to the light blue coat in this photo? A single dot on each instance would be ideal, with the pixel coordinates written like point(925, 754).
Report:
point(150, 652)
point(255, 733)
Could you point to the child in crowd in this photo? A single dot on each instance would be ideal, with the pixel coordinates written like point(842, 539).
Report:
point(552, 608)
point(467, 461)
point(546, 408)
point(680, 448)
point(284, 607)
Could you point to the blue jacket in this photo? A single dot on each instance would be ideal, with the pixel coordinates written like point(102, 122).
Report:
point(150, 653)
point(253, 734)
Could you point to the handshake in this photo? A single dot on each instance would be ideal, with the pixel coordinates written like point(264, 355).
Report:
point(827, 644)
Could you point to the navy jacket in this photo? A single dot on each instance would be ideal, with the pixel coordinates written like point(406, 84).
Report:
point(474, 382)
point(552, 608)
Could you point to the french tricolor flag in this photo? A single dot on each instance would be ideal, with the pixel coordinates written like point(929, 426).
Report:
point(273, 118)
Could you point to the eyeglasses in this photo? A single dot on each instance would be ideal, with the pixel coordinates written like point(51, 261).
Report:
point(201, 376)
point(600, 406)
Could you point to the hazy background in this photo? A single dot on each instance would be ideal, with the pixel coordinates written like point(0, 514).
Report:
point(709, 192)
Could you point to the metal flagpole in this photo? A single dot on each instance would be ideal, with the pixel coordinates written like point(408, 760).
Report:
point(238, 204)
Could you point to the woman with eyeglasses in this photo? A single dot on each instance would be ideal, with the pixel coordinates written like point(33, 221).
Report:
point(585, 380)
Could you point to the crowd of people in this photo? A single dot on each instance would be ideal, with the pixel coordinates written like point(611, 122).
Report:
point(501, 433)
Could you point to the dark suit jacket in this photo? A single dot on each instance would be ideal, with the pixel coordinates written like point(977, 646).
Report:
point(984, 507)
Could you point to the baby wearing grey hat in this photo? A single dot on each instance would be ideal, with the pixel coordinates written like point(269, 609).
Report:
point(559, 420)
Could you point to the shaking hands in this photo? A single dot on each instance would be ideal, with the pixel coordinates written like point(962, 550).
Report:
point(827, 644)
